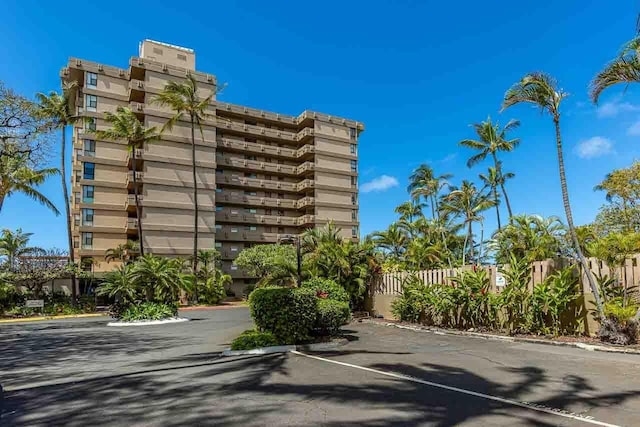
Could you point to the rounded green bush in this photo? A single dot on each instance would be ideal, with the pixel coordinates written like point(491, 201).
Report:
point(251, 339)
point(327, 286)
point(332, 315)
point(288, 313)
point(148, 311)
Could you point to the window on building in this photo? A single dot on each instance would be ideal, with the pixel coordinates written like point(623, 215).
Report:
point(92, 102)
point(280, 195)
point(352, 133)
point(250, 140)
point(87, 216)
point(88, 170)
point(354, 165)
point(280, 212)
point(267, 211)
point(234, 229)
point(280, 178)
point(78, 176)
point(250, 157)
point(218, 245)
point(234, 267)
point(352, 148)
point(90, 124)
point(87, 240)
point(76, 197)
point(234, 249)
point(354, 231)
point(354, 199)
point(252, 210)
point(76, 220)
point(354, 181)
point(219, 208)
point(181, 57)
point(354, 215)
point(218, 226)
point(280, 230)
point(251, 175)
point(87, 193)
point(250, 193)
point(218, 190)
point(234, 211)
point(86, 263)
point(91, 80)
point(89, 147)
point(251, 228)
point(219, 172)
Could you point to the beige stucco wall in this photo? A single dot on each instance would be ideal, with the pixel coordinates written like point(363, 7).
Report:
point(104, 241)
point(332, 146)
point(111, 151)
point(164, 217)
point(170, 150)
point(109, 105)
point(182, 129)
point(110, 196)
point(116, 174)
point(333, 163)
point(329, 196)
point(330, 129)
point(154, 193)
point(112, 85)
point(168, 241)
point(332, 179)
point(109, 218)
point(335, 214)
point(178, 174)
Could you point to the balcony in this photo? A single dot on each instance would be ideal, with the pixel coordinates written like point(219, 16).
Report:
point(250, 236)
point(257, 131)
point(139, 176)
point(132, 225)
point(305, 220)
point(304, 202)
point(136, 90)
point(258, 183)
point(305, 167)
point(130, 204)
point(267, 150)
point(304, 134)
point(257, 201)
point(246, 218)
point(255, 165)
point(139, 155)
point(253, 112)
point(305, 185)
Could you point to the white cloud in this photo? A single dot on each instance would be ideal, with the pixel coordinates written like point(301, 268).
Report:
point(594, 147)
point(613, 108)
point(381, 183)
point(634, 129)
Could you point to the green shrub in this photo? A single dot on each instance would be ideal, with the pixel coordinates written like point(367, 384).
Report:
point(148, 311)
point(253, 339)
point(211, 291)
point(332, 315)
point(327, 286)
point(288, 313)
point(411, 305)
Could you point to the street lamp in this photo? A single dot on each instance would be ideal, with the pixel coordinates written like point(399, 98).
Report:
point(290, 238)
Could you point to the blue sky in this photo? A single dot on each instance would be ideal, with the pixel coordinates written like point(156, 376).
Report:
point(417, 73)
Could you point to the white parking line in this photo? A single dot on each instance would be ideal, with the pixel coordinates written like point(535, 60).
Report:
point(526, 405)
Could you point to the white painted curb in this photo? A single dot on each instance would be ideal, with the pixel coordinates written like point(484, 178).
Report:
point(149, 322)
point(261, 350)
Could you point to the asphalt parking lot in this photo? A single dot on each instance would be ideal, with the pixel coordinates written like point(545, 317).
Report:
point(79, 372)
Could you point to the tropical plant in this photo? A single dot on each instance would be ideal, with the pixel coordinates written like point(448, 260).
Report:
point(477, 306)
point(120, 284)
point(125, 125)
point(264, 260)
point(57, 109)
point(492, 180)
point(248, 340)
point(624, 69)
point(622, 187)
point(327, 288)
point(542, 91)
point(159, 278)
point(148, 311)
point(423, 182)
point(186, 102)
point(123, 252)
point(393, 240)
point(529, 237)
point(469, 203)
point(551, 298)
point(16, 176)
point(514, 298)
point(14, 245)
point(491, 140)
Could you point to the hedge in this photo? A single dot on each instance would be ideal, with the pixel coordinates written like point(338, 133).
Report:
point(251, 339)
point(329, 287)
point(288, 313)
point(331, 316)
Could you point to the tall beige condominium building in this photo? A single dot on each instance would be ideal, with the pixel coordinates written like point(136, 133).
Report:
point(261, 176)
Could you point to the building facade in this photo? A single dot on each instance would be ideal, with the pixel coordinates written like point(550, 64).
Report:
point(261, 176)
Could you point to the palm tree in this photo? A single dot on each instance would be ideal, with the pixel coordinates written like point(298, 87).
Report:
point(467, 202)
point(14, 245)
point(122, 252)
point(119, 283)
point(126, 125)
point(624, 69)
point(423, 182)
point(183, 98)
point(57, 109)
point(160, 277)
point(393, 239)
point(17, 177)
point(491, 140)
point(492, 180)
point(542, 90)
point(409, 210)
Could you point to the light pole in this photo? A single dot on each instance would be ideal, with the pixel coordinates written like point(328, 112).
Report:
point(295, 239)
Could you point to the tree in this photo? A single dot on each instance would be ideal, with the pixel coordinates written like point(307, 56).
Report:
point(126, 125)
point(393, 240)
point(469, 203)
point(14, 245)
point(491, 140)
point(541, 90)
point(423, 182)
point(183, 98)
point(17, 177)
point(56, 108)
point(622, 186)
point(492, 179)
point(34, 270)
point(160, 278)
point(120, 283)
point(263, 260)
point(529, 237)
point(409, 210)
point(624, 69)
point(123, 252)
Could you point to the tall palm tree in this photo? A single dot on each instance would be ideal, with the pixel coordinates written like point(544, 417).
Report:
point(424, 182)
point(122, 252)
point(393, 239)
point(15, 244)
point(624, 69)
point(492, 180)
point(469, 203)
point(57, 109)
point(17, 177)
point(491, 140)
point(542, 90)
point(126, 125)
point(409, 210)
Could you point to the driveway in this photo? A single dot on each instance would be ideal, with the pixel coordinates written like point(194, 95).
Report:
point(384, 376)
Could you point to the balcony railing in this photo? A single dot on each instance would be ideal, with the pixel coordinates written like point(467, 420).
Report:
point(131, 200)
point(305, 201)
point(139, 176)
point(132, 223)
point(267, 150)
point(257, 201)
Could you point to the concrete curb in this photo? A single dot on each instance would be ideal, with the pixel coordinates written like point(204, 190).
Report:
point(580, 345)
point(148, 322)
point(320, 346)
point(212, 307)
point(47, 318)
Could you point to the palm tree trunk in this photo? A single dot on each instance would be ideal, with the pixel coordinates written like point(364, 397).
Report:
point(195, 200)
point(495, 198)
point(504, 191)
point(65, 195)
point(572, 230)
point(1, 200)
point(135, 195)
point(470, 238)
point(433, 207)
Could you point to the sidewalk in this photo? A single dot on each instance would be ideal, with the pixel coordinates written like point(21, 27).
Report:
point(43, 318)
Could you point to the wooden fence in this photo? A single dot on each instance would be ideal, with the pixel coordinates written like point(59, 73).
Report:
point(391, 283)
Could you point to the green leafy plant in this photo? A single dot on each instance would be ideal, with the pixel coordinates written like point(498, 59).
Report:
point(514, 298)
point(551, 299)
point(477, 306)
point(332, 314)
point(251, 339)
point(288, 313)
point(327, 287)
point(148, 311)
point(412, 303)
